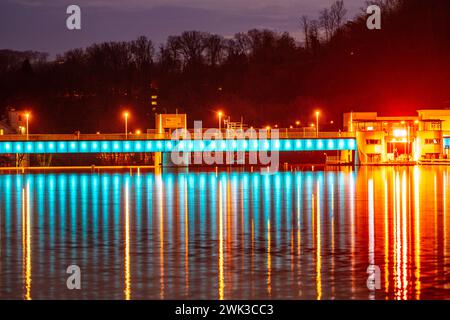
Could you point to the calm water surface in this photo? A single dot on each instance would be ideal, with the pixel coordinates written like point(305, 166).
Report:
point(300, 235)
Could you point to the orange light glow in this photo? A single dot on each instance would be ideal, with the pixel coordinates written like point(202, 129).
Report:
point(138, 132)
point(399, 133)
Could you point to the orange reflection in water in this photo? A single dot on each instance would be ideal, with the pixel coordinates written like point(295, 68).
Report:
point(386, 234)
point(409, 238)
point(371, 209)
point(400, 193)
point(186, 237)
point(127, 289)
point(160, 186)
point(417, 239)
point(315, 243)
point(352, 231)
point(408, 208)
point(318, 246)
point(26, 241)
point(221, 261)
point(445, 205)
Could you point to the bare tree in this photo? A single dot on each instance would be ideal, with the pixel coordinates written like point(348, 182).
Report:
point(387, 6)
point(313, 36)
point(261, 40)
point(240, 44)
point(326, 22)
point(168, 59)
point(305, 25)
point(191, 45)
point(214, 48)
point(337, 13)
point(332, 19)
point(142, 51)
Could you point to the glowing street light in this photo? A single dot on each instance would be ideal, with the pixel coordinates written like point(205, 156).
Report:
point(138, 132)
point(27, 116)
point(126, 114)
point(220, 114)
point(317, 123)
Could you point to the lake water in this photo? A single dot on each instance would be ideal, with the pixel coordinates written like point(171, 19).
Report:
point(227, 235)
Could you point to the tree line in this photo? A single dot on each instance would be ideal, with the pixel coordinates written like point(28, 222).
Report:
point(266, 76)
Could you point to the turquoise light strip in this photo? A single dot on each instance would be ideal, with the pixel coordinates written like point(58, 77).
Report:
point(447, 142)
point(138, 146)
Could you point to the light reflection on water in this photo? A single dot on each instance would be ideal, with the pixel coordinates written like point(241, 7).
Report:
point(301, 235)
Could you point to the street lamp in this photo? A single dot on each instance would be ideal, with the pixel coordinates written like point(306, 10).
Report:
point(27, 116)
point(220, 120)
point(317, 123)
point(126, 114)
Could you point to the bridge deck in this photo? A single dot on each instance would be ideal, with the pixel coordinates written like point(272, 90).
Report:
point(116, 143)
point(152, 135)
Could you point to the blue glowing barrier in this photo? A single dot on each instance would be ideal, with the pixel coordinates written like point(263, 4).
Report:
point(140, 146)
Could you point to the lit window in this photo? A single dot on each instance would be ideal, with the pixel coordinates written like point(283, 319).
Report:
point(432, 141)
point(400, 133)
point(373, 142)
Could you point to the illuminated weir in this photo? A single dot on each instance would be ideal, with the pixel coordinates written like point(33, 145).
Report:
point(366, 139)
point(140, 146)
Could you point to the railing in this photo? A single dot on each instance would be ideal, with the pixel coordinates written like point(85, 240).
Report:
point(152, 135)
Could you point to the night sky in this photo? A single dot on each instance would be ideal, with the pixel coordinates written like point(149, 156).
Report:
point(41, 24)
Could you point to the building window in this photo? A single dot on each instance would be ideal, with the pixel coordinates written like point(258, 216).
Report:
point(432, 141)
point(436, 126)
point(373, 141)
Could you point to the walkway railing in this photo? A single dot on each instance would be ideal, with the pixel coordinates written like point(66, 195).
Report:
point(152, 135)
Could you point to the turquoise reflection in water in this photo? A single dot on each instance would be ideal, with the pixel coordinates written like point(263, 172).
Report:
point(226, 235)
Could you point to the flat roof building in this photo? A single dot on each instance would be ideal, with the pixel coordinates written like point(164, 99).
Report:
point(404, 139)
